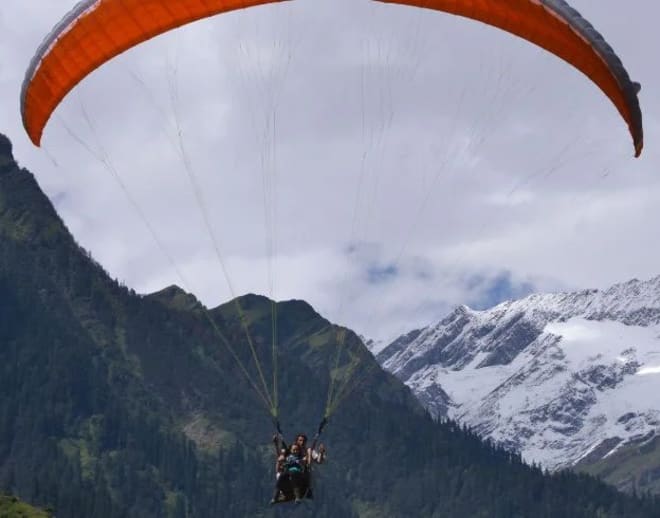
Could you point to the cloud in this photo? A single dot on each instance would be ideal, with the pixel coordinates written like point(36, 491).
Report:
point(491, 290)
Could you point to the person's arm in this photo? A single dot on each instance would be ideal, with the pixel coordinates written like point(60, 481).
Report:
point(318, 456)
point(308, 457)
point(279, 443)
point(276, 443)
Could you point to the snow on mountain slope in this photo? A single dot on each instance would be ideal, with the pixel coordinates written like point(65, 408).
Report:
point(553, 376)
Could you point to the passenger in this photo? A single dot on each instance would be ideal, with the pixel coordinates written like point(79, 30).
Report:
point(291, 479)
point(293, 468)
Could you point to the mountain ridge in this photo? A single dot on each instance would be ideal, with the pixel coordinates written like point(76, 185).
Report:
point(553, 376)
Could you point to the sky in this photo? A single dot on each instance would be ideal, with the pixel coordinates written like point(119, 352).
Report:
point(383, 163)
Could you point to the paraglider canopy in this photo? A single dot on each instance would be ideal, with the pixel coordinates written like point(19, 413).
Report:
point(95, 31)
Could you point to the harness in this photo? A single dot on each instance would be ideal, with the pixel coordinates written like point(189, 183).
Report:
point(293, 464)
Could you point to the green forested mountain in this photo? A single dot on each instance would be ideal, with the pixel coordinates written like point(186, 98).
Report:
point(114, 404)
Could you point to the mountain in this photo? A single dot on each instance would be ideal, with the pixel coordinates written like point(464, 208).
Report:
point(118, 405)
point(565, 379)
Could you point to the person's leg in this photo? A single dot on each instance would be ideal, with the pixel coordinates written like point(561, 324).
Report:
point(297, 484)
point(280, 487)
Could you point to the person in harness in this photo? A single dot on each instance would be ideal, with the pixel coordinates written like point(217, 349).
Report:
point(293, 469)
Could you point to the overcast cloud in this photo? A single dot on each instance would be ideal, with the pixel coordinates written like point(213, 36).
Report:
point(384, 163)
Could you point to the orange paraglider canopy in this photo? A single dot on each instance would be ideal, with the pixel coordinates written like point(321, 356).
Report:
point(94, 32)
point(97, 30)
point(557, 27)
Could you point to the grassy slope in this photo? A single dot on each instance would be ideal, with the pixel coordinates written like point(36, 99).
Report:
point(632, 467)
point(12, 507)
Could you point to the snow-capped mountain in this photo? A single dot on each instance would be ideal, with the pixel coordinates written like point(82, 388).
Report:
point(552, 376)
